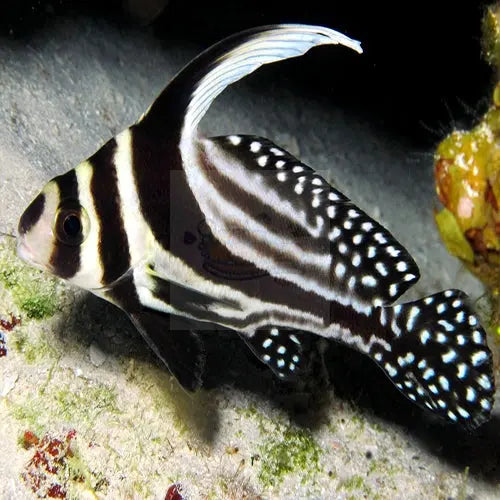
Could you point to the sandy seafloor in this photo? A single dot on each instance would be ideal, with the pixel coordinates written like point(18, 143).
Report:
point(345, 433)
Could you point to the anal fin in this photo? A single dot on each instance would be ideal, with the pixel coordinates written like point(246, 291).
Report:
point(283, 350)
point(180, 348)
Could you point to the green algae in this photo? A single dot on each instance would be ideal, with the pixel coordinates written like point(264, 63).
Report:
point(35, 294)
point(383, 466)
point(291, 451)
point(80, 404)
point(85, 404)
point(142, 489)
point(29, 414)
point(77, 470)
point(285, 449)
point(354, 483)
point(33, 346)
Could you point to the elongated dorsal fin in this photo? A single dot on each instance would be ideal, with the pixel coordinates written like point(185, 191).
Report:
point(187, 98)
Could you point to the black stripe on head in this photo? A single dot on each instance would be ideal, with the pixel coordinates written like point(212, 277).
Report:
point(113, 242)
point(32, 214)
point(65, 259)
point(155, 164)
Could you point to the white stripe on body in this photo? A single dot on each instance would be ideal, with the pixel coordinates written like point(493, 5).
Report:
point(138, 232)
point(89, 251)
point(224, 218)
point(173, 269)
point(251, 181)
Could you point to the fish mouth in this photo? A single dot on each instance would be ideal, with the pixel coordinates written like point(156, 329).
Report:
point(25, 253)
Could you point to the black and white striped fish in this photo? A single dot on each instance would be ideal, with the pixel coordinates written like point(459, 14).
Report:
point(183, 232)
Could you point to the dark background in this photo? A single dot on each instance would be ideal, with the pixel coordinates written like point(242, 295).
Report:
point(422, 73)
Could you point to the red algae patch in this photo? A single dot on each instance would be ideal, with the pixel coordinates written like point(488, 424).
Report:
point(174, 492)
point(8, 326)
point(42, 473)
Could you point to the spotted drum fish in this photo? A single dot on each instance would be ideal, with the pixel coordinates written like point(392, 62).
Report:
point(184, 232)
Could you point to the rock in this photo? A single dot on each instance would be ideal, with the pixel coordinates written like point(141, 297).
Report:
point(8, 384)
point(97, 356)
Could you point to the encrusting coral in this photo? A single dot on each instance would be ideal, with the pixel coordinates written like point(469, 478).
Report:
point(467, 175)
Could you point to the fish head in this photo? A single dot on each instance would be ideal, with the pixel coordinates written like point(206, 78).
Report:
point(56, 232)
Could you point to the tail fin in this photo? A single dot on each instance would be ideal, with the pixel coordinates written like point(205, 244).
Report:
point(439, 358)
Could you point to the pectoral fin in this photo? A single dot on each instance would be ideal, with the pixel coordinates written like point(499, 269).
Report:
point(180, 349)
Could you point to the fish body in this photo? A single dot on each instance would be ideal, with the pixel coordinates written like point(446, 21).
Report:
point(185, 232)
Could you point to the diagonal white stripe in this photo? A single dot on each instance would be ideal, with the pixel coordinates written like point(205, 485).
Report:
point(138, 232)
point(90, 261)
point(174, 269)
point(272, 44)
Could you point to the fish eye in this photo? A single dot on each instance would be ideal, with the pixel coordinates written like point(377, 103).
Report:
point(71, 224)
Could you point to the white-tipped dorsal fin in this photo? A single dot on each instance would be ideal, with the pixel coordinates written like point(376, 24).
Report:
point(246, 52)
point(183, 103)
